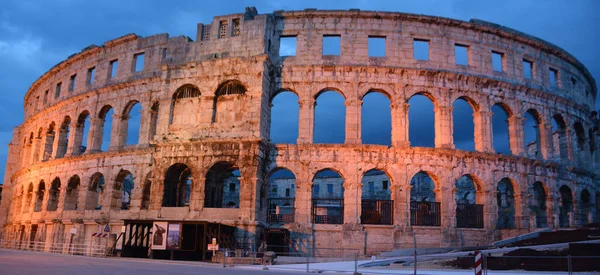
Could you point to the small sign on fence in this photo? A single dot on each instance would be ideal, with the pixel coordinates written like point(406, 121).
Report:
point(213, 247)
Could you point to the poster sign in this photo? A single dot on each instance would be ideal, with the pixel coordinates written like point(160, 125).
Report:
point(159, 236)
point(173, 236)
point(213, 247)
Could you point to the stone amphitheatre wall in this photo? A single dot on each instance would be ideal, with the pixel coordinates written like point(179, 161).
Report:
point(233, 126)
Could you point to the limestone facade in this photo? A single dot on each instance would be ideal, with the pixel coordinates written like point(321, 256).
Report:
point(206, 104)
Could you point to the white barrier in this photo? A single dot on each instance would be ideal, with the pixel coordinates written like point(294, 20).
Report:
point(61, 248)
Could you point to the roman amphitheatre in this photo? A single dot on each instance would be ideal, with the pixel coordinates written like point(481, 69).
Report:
point(204, 157)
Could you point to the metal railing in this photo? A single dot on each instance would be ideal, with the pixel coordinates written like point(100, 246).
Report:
point(377, 212)
point(277, 217)
point(61, 248)
point(423, 213)
point(469, 215)
point(328, 211)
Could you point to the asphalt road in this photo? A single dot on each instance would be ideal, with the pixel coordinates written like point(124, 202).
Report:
point(38, 263)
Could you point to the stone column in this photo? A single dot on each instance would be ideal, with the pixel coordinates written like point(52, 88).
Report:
point(118, 135)
point(49, 146)
point(443, 126)
point(197, 196)
point(303, 202)
point(157, 191)
point(401, 201)
point(164, 116)
point(515, 132)
point(490, 210)
point(352, 201)
point(95, 135)
point(26, 155)
point(75, 137)
point(145, 124)
point(353, 121)
point(400, 125)
point(60, 144)
point(483, 131)
point(306, 121)
point(547, 144)
point(447, 203)
point(35, 151)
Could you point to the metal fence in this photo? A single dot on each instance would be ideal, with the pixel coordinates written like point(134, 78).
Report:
point(93, 250)
point(424, 213)
point(469, 215)
point(377, 212)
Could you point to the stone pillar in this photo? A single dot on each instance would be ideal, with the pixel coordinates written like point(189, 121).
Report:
point(400, 125)
point(306, 121)
point(546, 140)
point(164, 116)
point(61, 196)
point(447, 203)
point(157, 192)
point(352, 201)
point(353, 121)
point(515, 133)
point(35, 150)
point(60, 144)
point(483, 131)
point(197, 196)
point(145, 124)
point(401, 201)
point(75, 137)
point(303, 202)
point(95, 135)
point(26, 155)
point(443, 126)
point(490, 210)
point(49, 146)
point(118, 136)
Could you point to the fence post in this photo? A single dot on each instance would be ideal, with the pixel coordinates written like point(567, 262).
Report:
point(569, 265)
point(356, 264)
point(224, 256)
point(307, 260)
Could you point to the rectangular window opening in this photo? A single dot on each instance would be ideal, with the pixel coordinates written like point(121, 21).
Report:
point(329, 188)
point(497, 61)
point(45, 100)
point(58, 88)
point(384, 184)
point(316, 189)
point(236, 27)
point(376, 46)
point(371, 186)
point(90, 75)
point(222, 29)
point(287, 46)
point(573, 82)
point(421, 49)
point(332, 45)
point(553, 77)
point(114, 65)
point(164, 53)
point(139, 62)
point(461, 54)
point(527, 69)
point(287, 192)
point(73, 82)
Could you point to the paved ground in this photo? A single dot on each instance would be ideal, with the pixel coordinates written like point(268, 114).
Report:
point(26, 263)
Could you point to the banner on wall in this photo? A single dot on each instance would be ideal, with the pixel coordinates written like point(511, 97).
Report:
point(159, 236)
point(174, 236)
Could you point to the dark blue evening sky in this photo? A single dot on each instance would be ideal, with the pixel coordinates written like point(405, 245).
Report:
point(36, 35)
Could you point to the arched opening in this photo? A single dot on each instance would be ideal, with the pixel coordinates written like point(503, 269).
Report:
point(228, 100)
point(421, 121)
point(566, 206)
point(222, 186)
point(505, 200)
point(18, 200)
point(284, 118)
point(328, 197)
point(49, 141)
point(53, 195)
point(424, 208)
point(121, 196)
point(464, 124)
point(500, 133)
point(146, 193)
point(39, 198)
point(592, 142)
point(377, 204)
point(153, 119)
point(376, 119)
point(585, 207)
point(81, 133)
point(63, 137)
point(36, 148)
point(185, 101)
point(177, 186)
point(132, 119)
point(531, 129)
point(28, 199)
point(538, 204)
point(106, 120)
point(72, 194)
point(330, 118)
point(281, 196)
point(469, 203)
point(95, 188)
point(559, 137)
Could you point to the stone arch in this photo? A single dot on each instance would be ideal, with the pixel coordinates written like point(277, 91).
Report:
point(39, 198)
point(185, 100)
point(80, 142)
point(146, 192)
point(130, 126)
point(224, 110)
point(559, 137)
point(425, 209)
point(376, 118)
point(566, 206)
point(53, 195)
point(284, 117)
point(501, 138)
point(469, 197)
point(585, 206)
point(281, 194)
point(506, 204)
point(177, 186)
point(72, 193)
point(384, 92)
point(422, 107)
point(122, 190)
point(103, 135)
point(377, 206)
point(283, 90)
point(222, 186)
point(329, 117)
point(329, 89)
point(328, 202)
point(532, 125)
point(94, 190)
point(463, 121)
point(537, 204)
